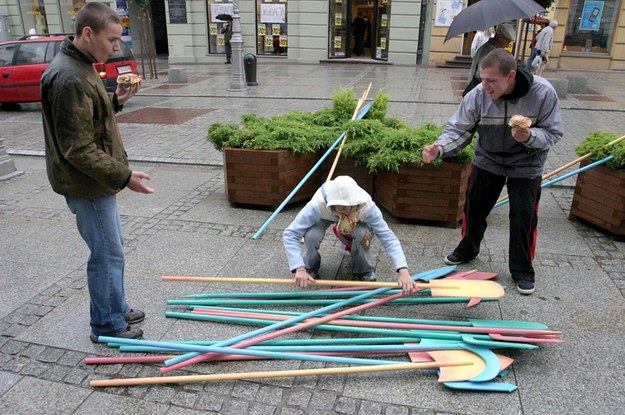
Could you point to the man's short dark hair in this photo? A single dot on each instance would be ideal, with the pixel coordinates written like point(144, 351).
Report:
point(95, 15)
point(500, 59)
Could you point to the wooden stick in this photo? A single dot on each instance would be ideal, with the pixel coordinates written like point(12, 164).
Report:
point(440, 288)
point(270, 374)
point(570, 164)
point(338, 153)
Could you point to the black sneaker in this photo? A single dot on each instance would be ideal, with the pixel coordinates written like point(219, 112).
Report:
point(367, 276)
point(134, 316)
point(129, 333)
point(312, 273)
point(453, 259)
point(525, 287)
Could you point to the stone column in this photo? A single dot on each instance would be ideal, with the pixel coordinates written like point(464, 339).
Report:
point(237, 82)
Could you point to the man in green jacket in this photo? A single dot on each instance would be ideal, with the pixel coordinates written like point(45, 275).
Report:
point(86, 161)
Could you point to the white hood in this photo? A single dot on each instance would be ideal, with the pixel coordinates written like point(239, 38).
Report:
point(344, 191)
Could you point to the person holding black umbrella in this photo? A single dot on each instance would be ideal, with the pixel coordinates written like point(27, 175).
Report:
point(506, 153)
point(227, 32)
point(504, 34)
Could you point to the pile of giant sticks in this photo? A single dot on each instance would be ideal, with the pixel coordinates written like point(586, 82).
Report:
point(460, 351)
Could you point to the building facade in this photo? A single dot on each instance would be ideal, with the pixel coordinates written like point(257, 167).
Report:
point(590, 35)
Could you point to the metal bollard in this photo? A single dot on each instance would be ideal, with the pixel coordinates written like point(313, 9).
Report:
point(249, 63)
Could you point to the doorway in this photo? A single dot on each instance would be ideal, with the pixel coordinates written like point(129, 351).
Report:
point(359, 29)
point(159, 26)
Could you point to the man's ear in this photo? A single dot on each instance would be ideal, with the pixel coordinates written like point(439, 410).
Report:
point(87, 33)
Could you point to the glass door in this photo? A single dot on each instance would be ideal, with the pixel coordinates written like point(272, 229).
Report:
point(381, 23)
point(339, 38)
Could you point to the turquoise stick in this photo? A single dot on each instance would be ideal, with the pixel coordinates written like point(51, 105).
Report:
point(295, 294)
point(319, 301)
point(416, 334)
point(292, 342)
point(281, 324)
point(365, 108)
point(249, 352)
point(566, 176)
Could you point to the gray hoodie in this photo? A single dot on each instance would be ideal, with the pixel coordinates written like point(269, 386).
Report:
point(495, 149)
point(343, 190)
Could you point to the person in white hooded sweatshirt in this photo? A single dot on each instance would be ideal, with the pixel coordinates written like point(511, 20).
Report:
point(356, 219)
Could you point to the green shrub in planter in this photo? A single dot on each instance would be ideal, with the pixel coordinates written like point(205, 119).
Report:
point(296, 131)
point(387, 144)
point(595, 143)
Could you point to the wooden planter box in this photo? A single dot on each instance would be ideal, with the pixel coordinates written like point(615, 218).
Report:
point(267, 177)
point(347, 167)
point(599, 198)
point(424, 193)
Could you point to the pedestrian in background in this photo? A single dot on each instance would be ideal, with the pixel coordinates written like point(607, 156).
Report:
point(227, 32)
point(481, 37)
point(355, 220)
point(86, 161)
point(544, 44)
point(505, 155)
point(504, 34)
point(359, 27)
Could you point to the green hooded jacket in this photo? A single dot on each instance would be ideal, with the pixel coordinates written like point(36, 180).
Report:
point(85, 156)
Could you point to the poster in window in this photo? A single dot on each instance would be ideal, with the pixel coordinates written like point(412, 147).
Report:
point(382, 43)
point(384, 20)
point(177, 11)
point(338, 19)
point(268, 41)
point(273, 13)
point(221, 41)
point(284, 42)
point(213, 30)
point(217, 9)
point(591, 15)
point(338, 42)
point(262, 30)
point(446, 10)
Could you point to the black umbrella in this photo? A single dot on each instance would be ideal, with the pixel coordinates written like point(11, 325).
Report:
point(223, 16)
point(487, 13)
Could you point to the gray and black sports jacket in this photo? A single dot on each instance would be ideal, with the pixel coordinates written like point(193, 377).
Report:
point(495, 150)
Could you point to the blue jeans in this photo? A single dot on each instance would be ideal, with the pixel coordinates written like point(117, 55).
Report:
point(100, 226)
point(359, 256)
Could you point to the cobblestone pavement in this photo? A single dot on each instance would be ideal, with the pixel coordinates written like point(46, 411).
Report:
point(188, 228)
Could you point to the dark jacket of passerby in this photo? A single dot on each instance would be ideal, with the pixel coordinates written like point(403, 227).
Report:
point(85, 156)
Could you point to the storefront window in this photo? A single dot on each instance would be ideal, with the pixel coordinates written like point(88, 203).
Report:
point(271, 27)
point(339, 40)
point(69, 9)
point(34, 15)
point(359, 29)
point(590, 26)
point(216, 40)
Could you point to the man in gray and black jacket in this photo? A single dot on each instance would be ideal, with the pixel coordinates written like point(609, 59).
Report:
point(504, 155)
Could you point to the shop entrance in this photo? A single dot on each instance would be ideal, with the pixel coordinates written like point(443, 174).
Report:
point(359, 29)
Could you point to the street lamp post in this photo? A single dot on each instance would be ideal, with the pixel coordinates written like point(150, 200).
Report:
point(237, 82)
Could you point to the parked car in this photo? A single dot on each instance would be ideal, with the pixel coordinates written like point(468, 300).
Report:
point(23, 61)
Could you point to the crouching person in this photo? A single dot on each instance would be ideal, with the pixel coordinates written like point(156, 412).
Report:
point(355, 220)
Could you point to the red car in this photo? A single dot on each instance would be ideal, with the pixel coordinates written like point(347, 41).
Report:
point(23, 61)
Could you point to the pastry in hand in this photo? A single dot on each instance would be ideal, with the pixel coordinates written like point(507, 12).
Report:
point(520, 121)
point(128, 79)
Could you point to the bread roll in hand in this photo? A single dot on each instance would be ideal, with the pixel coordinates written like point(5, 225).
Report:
point(520, 121)
point(128, 79)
